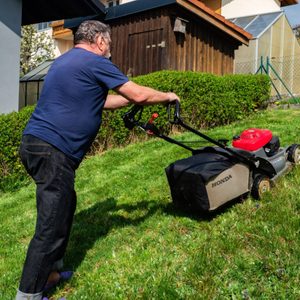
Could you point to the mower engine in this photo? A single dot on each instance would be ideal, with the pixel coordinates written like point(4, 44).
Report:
point(262, 143)
point(254, 139)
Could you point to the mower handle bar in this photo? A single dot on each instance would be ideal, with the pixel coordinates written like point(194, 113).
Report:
point(133, 119)
point(133, 116)
point(176, 115)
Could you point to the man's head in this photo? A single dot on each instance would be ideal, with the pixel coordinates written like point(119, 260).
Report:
point(95, 35)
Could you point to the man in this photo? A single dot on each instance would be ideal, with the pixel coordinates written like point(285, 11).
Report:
point(58, 135)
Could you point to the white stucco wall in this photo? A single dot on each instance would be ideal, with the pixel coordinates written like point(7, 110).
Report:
point(105, 2)
point(10, 32)
point(62, 46)
point(240, 8)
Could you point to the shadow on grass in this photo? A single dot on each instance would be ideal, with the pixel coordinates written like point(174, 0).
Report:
point(204, 215)
point(98, 220)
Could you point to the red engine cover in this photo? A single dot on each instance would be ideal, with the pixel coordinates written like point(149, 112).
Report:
point(252, 139)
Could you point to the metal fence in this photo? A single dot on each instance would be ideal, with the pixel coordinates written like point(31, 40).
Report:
point(284, 72)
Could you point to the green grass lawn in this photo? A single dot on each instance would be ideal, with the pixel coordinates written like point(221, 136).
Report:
point(128, 243)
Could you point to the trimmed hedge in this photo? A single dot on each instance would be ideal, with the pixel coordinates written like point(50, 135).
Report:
point(11, 168)
point(208, 100)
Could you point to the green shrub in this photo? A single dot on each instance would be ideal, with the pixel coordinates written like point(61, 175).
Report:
point(11, 169)
point(207, 100)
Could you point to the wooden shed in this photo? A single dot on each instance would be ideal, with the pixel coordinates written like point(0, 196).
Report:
point(152, 35)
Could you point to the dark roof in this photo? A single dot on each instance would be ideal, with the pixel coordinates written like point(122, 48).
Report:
point(194, 6)
point(75, 22)
point(119, 11)
point(135, 7)
point(36, 11)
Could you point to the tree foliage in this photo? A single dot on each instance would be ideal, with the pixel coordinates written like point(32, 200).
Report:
point(36, 47)
point(298, 32)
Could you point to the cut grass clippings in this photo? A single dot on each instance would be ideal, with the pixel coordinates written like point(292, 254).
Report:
point(128, 242)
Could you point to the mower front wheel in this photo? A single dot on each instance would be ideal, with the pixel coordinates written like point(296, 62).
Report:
point(294, 154)
point(261, 185)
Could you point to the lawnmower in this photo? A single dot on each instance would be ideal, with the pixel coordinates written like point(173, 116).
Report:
point(216, 175)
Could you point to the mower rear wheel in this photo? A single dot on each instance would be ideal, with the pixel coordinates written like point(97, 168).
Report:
point(261, 185)
point(294, 154)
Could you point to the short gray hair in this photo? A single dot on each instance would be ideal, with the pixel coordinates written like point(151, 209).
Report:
point(89, 31)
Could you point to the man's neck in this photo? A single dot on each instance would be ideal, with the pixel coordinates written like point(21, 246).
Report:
point(88, 47)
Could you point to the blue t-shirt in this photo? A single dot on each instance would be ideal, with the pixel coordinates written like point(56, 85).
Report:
point(68, 113)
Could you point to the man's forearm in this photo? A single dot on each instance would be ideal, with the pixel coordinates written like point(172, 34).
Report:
point(153, 96)
point(115, 101)
point(144, 95)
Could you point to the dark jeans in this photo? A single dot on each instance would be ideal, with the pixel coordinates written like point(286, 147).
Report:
point(54, 175)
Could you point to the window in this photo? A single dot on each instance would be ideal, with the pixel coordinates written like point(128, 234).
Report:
point(43, 26)
point(112, 3)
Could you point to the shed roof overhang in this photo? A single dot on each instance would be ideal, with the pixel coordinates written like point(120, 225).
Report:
point(36, 11)
point(204, 12)
point(288, 2)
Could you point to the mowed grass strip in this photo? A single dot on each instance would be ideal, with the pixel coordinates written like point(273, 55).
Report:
point(128, 242)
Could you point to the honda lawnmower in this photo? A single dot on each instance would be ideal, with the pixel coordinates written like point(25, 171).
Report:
point(216, 175)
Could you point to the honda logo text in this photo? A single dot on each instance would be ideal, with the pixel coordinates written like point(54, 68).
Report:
point(221, 181)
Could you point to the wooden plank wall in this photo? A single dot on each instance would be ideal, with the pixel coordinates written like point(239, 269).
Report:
point(203, 48)
point(134, 28)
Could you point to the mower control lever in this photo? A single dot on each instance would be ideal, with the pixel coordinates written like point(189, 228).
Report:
point(131, 119)
point(149, 127)
point(153, 117)
point(176, 114)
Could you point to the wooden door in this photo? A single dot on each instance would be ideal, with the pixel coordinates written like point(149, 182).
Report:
point(146, 52)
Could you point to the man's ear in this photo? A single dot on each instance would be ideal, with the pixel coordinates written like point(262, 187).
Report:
point(99, 40)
